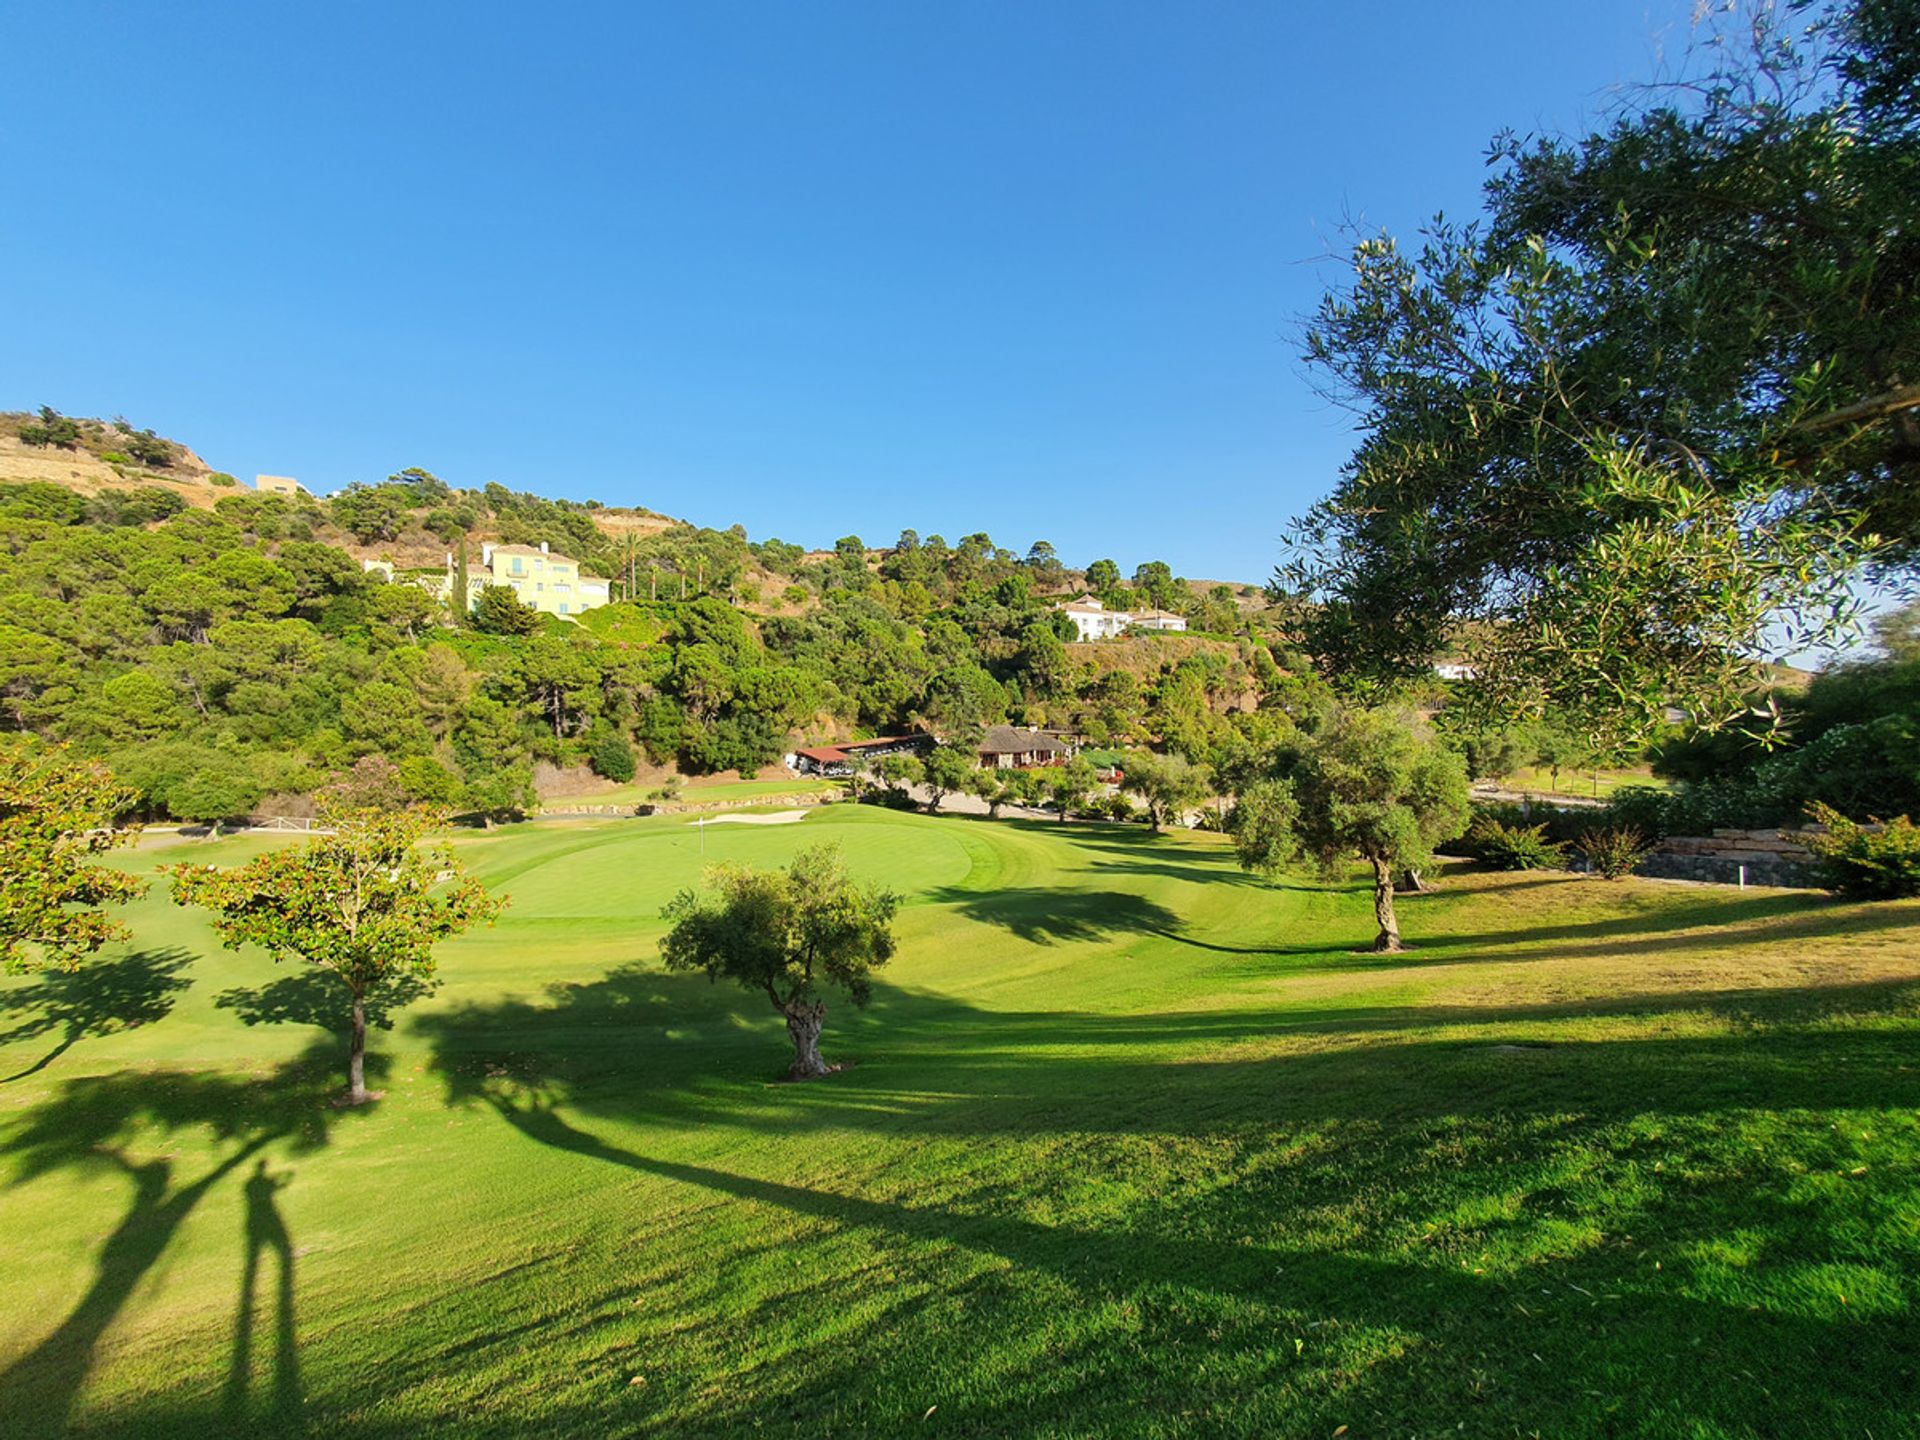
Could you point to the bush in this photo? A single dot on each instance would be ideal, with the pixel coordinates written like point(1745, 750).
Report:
point(1640, 807)
point(149, 449)
point(222, 479)
point(1867, 862)
point(613, 758)
point(1514, 847)
point(1613, 850)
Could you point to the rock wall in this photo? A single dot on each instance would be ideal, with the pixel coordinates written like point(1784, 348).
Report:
point(1764, 857)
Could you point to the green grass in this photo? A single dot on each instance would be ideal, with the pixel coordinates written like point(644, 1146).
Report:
point(707, 793)
point(1587, 784)
point(1131, 1145)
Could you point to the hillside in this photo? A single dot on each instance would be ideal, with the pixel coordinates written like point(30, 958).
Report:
point(96, 460)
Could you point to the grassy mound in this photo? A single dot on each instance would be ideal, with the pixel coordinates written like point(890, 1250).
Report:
point(1131, 1144)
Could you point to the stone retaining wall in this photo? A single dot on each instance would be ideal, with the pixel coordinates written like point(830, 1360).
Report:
point(565, 809)
point(1768, 857)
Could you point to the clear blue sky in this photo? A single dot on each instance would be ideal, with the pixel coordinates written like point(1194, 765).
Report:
point(818, 268)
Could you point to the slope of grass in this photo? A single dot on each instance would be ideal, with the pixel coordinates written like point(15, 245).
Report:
point(1131, 1145)
point(710, 792)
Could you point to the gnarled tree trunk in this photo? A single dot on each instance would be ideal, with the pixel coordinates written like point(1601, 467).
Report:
point(1412, 882)
point(804, 1021)
point(1387, 942)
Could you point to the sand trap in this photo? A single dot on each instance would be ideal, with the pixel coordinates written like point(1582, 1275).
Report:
point(779, 817)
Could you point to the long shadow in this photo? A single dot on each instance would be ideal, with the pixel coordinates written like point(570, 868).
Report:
point(265, 1230)
point(1840, 1372)
point(639, 1046)
point(101, 997)
point(1045, 916)
point(93, 1123)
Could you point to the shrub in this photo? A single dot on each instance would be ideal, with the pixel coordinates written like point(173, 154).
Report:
point(1118, 807)
point(1640, 807)
point(1869, 862)
point(1514, 847)
point(1613, 850)
point(222, 479)
point(149, 449)
point(613, 758)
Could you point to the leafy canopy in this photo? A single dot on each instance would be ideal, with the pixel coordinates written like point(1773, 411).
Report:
point(56, 814)
point(1643, 421)
point(367, 902)
point(786, 933)
point(1369, 786)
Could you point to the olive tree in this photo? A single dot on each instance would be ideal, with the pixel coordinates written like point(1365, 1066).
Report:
point(1069, 785)
point(56, 814)
point(1635, 430)
point(788, 934)
point(1168, 785)
point(946, 769)
point(1368, 786)
point(365, 903)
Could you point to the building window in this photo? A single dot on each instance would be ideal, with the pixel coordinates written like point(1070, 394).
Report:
point(563, 607)
point(514, 566)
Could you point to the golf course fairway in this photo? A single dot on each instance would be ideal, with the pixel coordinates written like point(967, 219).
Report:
point(1128, 1143)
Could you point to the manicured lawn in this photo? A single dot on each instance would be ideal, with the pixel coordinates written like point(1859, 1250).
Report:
point(699, 793)
point(1584, 783)
point(1130, 1145)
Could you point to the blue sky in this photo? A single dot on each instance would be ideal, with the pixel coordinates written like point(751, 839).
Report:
point(817, 268)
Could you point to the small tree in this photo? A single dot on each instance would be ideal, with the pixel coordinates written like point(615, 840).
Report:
point(365, 903)
point(612, 757)
point(215, 792)
point(899, 773)
point(56, 814)
point(498, 611)
point(1070, 784)
point(1366, 786)
point(1167, 784)
point(947, 768)
point(504, 792)
point(788, 934)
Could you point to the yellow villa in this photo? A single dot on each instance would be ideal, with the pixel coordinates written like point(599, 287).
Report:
point(551, 583)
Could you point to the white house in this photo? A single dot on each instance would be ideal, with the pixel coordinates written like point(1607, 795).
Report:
point(1095, 622)
point(1456, 670)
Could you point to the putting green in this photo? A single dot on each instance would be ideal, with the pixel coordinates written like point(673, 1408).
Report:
point(1130, 1144)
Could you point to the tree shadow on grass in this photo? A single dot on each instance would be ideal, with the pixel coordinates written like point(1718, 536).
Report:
point(101, 997)
point(315, 997)
point(98, 1123)
point(1208, 1299)
point(1046, 916)
point(641, 1046)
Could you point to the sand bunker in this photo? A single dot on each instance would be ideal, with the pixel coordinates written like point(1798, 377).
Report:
point(779, 817)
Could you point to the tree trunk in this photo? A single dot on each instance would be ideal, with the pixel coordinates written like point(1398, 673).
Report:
point(804, 1021)
point(357, 1054)
point(1387, 942)
point(1412, 882)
